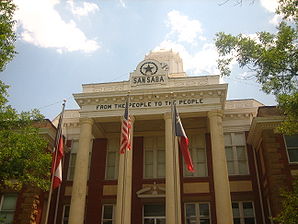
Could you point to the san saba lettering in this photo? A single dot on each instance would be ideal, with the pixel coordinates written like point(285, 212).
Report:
point(148, 79)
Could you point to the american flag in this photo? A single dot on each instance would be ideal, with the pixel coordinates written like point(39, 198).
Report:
point(125, 141)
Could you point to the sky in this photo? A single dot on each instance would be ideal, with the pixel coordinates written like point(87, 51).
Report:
point(63, 44)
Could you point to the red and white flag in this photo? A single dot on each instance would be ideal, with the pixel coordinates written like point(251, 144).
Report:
point(56, 169)
point(125, 141)
point(57, 154)
point(183, 140)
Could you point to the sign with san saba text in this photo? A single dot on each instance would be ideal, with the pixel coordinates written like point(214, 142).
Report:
point(149, 72)
point(150, 104)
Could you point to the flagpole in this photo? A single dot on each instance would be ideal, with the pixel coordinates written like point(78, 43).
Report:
point(123, 160)
point(57, 138)
point(124, 169)
point(174, 155)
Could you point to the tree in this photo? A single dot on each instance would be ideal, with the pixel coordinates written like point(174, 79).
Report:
point(7, 34)
point(23, 156)
point(272, 57)
point(289, 214)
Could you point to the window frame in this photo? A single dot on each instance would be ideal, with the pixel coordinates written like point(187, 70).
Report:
point(72, 154)
point(235, 160)
point(152, 217)
point(241, 211)
point(198, 212)
point(113, 213)
point(114, 150)
point(8, 210)
point(287, 149)
point(194, 152)
point(63, 213)
point(155, 163)
point(71, 169)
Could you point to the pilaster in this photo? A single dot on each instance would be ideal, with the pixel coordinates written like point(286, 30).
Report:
point(124, 188)
point(79, 188)
point(173, 198)
point(220, 171)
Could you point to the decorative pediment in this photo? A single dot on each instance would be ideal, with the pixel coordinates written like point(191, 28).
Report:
point(149, 72)
point(152, 191)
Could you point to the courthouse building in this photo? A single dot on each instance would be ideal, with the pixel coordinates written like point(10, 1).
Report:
point(240, 161)
point(150, 184)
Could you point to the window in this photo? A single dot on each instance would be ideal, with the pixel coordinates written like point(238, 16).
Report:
point(112, 159)
point(235, 146)
point(65, 214)
point(197, 151)
point(108, 216)
point(154, 214)
point(292, 147)
point(243, 212)
point(154, 157)
point(72, 159)
point(8, 208)
point(197, 213)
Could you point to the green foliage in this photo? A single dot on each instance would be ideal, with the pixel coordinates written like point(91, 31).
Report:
point(3, 94)
point(7, 34)
point(289, 213)
point(288, 9)
point(272, 57)
point(289, 106)
point(23, 157)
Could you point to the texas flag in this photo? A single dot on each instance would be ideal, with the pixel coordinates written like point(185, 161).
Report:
point(183, 140)
point(56, 169)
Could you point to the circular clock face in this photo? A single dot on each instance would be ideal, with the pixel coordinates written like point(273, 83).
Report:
point(148, 68)
point(164, 66)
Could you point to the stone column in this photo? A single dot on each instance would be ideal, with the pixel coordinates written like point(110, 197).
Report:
point(220, 172)
point(173, 205)
point(124, 187)
point(79, 187)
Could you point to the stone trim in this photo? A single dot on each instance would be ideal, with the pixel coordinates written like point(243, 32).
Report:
point(260, 124)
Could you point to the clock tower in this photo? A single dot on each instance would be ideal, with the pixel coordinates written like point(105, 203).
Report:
point(156, 68)
point(169, 60)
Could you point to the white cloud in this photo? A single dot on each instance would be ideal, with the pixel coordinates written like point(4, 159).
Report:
point(270, 5)
point(246, 76)
point(43, 26)
point(122, 3)
point(84, 10)
point(276, 19)
point(201, 62)
point(186, 29)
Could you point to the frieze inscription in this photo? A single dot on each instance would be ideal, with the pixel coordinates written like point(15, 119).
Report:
point(150, 104)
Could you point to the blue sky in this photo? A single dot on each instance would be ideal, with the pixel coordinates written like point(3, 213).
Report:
point(64, 43)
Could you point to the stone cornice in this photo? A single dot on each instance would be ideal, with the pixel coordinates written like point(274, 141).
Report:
point(215, 113)
point(188, 81)
point(259, 124)
point(86, 120)
point(160, 93)
point(167, 115)
point(238, 115)
point(244, 103)
point(238, 128)
point(71, 124)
